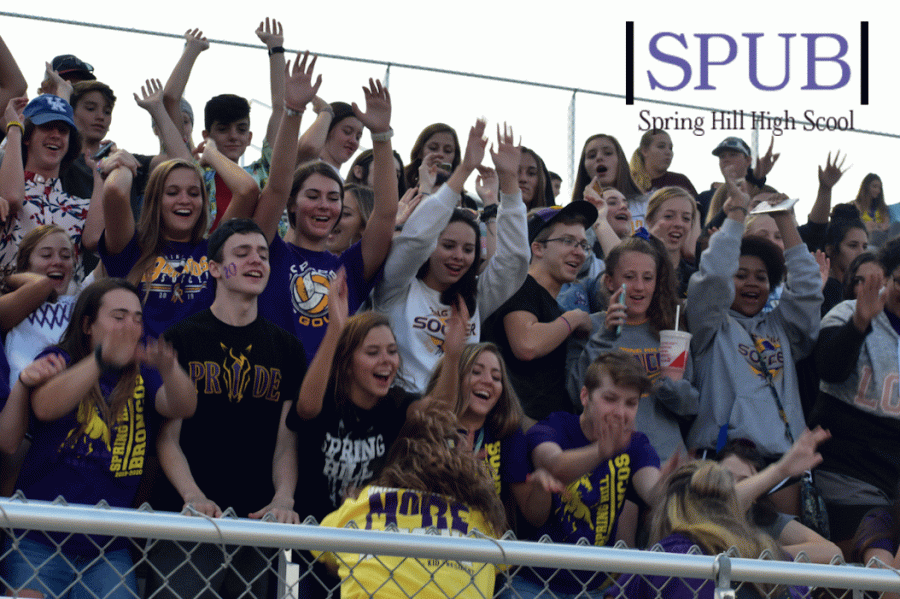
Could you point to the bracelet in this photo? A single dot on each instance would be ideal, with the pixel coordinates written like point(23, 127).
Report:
point(276, 50)
point(15, 124)
point(105, 366)
point(327, 110)
point(293, 112)
point(383, 136)
point(566, 320)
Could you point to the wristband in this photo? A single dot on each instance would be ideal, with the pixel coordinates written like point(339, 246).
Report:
point(566, 320)
point(293, 112)
point(383, 136)
point(105, 367)
point(489, 212)
point(751, 178)
point(15, 124)
point(276, 50)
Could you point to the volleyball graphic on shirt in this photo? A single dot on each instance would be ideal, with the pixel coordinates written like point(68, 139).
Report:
point(309, 292)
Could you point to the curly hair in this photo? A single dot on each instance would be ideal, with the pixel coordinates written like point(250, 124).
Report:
point(429, 457)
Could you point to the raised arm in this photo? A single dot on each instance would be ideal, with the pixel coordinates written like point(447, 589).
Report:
point(508, 267)
point(446, 388)
point(195, 43)
point(828, 178)
point(299, 90)
point(118, 219)
point(313, 139)
point(244, 190)
point(315, 383)
point(272, 35)
point(376, 238)
point(12, 168)
point(802, 456)
point(151, 100)
point(12, 82)
point(711, 289)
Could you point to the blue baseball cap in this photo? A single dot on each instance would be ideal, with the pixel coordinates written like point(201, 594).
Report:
point(47, 108)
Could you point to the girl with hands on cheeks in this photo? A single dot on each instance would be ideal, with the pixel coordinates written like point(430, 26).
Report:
point(102, 399)
point(437, 256)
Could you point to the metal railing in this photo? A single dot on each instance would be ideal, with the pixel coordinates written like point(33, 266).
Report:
point(19, 515)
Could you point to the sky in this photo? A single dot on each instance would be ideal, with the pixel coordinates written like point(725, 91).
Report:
point(575, 45)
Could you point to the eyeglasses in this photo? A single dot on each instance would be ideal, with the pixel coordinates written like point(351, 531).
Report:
point(571, 242)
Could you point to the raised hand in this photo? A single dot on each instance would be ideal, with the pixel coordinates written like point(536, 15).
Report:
point(508, 155)
point(407, 205)
point(456, 330)
point(151, 95)
point(870, 301)
point(824, 265)
point(299, 88)
point(765, 163)
point(377, 117)
point(832, 173)
point(738, 199)
point(56, 85)
point(475, 146)
point(272, 36)
point(338, 304)
point(14, 111)
point(487, 185)
point(803, 454)
point(195, 40)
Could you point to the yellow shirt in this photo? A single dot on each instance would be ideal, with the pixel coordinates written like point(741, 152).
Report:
point(378, 508)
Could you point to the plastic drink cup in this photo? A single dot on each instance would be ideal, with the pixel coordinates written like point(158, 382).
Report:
point(673, 353)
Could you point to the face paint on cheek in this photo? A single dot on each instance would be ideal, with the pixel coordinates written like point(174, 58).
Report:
point(230, 270)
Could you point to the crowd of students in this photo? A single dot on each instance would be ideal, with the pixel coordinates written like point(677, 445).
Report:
point(387, 349)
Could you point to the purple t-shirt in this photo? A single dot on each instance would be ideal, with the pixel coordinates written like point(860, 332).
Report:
point(177, 286)
point(591, 510)
point(98, 462)
point(634, 586)
point(296, 297)
point(501, 456)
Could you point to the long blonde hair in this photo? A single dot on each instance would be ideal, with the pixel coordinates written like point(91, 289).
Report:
point(700, 503)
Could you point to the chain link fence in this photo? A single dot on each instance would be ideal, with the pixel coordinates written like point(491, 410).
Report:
point(59, 550)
